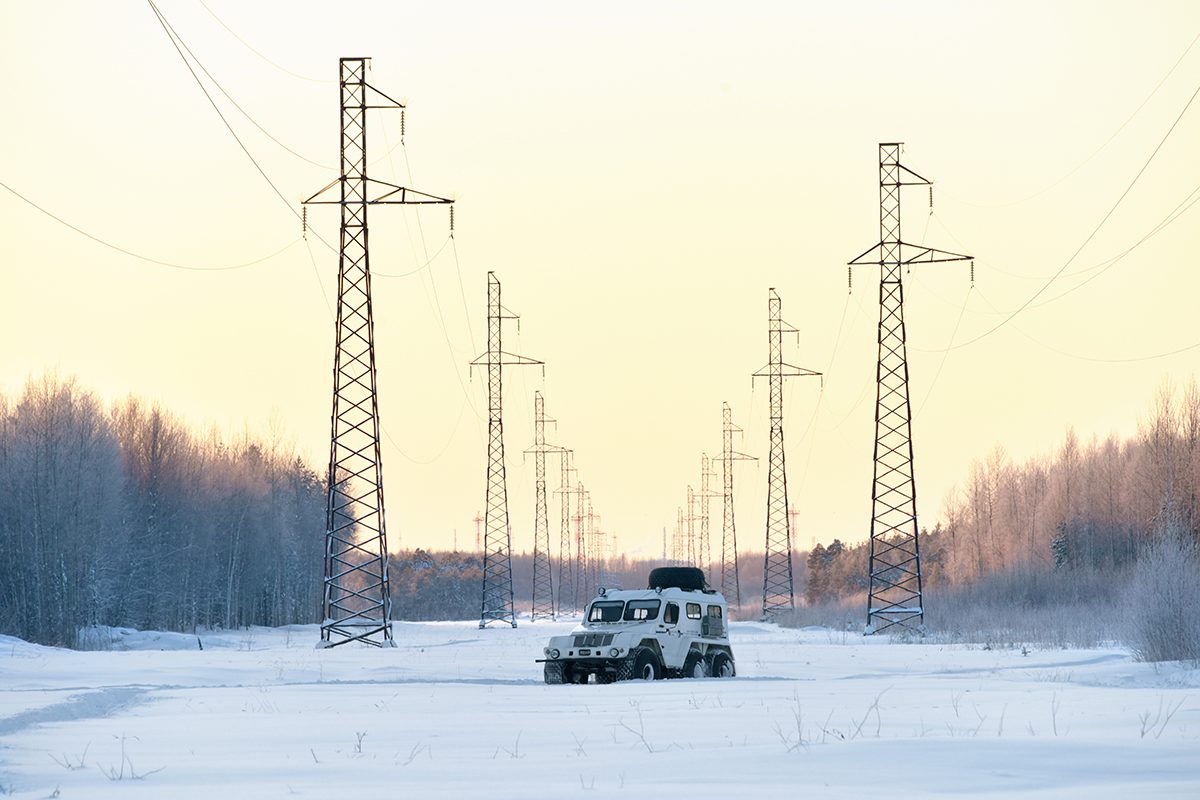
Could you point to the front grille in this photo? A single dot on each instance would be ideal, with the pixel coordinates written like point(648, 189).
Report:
point(593, 639)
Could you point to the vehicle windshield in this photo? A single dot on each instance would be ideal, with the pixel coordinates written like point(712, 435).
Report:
point(606, 611)
point(642, 610)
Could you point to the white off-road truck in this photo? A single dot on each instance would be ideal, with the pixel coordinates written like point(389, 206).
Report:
point(675, 628)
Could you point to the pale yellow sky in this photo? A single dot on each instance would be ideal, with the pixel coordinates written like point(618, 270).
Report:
point(637, 175)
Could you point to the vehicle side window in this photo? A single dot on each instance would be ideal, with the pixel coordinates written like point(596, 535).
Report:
point(671, 615)
point(714, 611)
point(693, 611)
point(641, 610)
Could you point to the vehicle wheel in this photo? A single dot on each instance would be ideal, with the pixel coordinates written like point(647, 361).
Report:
point(553, 672)
point(605, 677)
point(721, 666)
point(641, 664)
point(694, 666)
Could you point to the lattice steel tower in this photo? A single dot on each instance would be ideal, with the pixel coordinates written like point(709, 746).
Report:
point(778, 590)
point(543, 585)
point(678, 547)
point(691, 527)
point(357, 605)
point(730, 585)
point(566, 581)
point(497, 541)
point(703, 547)
point(894, 595)
point(581, 553)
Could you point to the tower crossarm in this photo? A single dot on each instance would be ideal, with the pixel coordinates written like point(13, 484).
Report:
point(907, 254)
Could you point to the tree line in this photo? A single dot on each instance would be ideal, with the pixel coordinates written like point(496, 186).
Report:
point(1087, 507)
point(122, 516)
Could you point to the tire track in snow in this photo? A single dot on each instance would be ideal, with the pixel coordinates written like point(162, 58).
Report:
point(90, 705)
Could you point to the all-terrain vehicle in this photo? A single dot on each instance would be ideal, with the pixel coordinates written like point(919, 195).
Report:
point(674, 628)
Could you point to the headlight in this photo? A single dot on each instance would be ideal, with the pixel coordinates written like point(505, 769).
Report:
point(614, 652)
point(554, 654)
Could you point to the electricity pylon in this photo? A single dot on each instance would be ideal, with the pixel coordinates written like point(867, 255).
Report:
point(691, 527)
point(729, 561)
point(581, 553)
point(894, 596)
point(678, 546)
point(497, 603)
point(706, 492)
point(595, 547)
point(543, 584)
point(357, 603)
point(778, 589)
point(566, 581)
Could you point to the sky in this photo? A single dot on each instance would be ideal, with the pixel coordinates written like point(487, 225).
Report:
point(638, 176)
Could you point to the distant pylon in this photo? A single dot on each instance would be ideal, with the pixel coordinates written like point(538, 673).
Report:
point(778, 589)
point(730, 584)
point(704, 549)
point(543, 584)
point(894, 595)
point(497, 605)
point(691, 527)
point(581, 553)
point(357, 603)
point(567, 601)
point(678, 544)
point(595, 547)
point(478, 532)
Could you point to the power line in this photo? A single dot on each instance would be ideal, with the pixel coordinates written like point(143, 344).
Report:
point(139, 256)
point(173, 37)
point(1103, 145)
point(251, 48)
point(945, 353)
point(1097, 359)
point(412, 272)
point(1091, 235)
point(244, 112)
point(1098, 269)
point(1182, 207)
point(255, 122)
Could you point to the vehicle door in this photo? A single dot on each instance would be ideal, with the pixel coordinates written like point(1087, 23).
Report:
point(674, 643)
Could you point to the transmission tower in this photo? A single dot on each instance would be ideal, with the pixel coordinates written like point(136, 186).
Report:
point(581, 553)
point(691, 527)
point(678, 546)
point(730, 585)
point(595, 547)
point(894, 595)
point(706, 492)
point(357, 604)
point(567, 601)
point(497, 543)
point(543, 585)
point(778, 591)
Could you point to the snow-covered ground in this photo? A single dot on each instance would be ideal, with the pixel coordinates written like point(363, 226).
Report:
point(455, 712)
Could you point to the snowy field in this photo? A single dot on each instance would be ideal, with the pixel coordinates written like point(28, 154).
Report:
point(455, 712)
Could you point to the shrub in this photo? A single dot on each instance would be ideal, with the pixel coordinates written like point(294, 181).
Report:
point(1163, 599)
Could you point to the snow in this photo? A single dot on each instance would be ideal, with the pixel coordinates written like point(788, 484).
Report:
point(456, 712)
